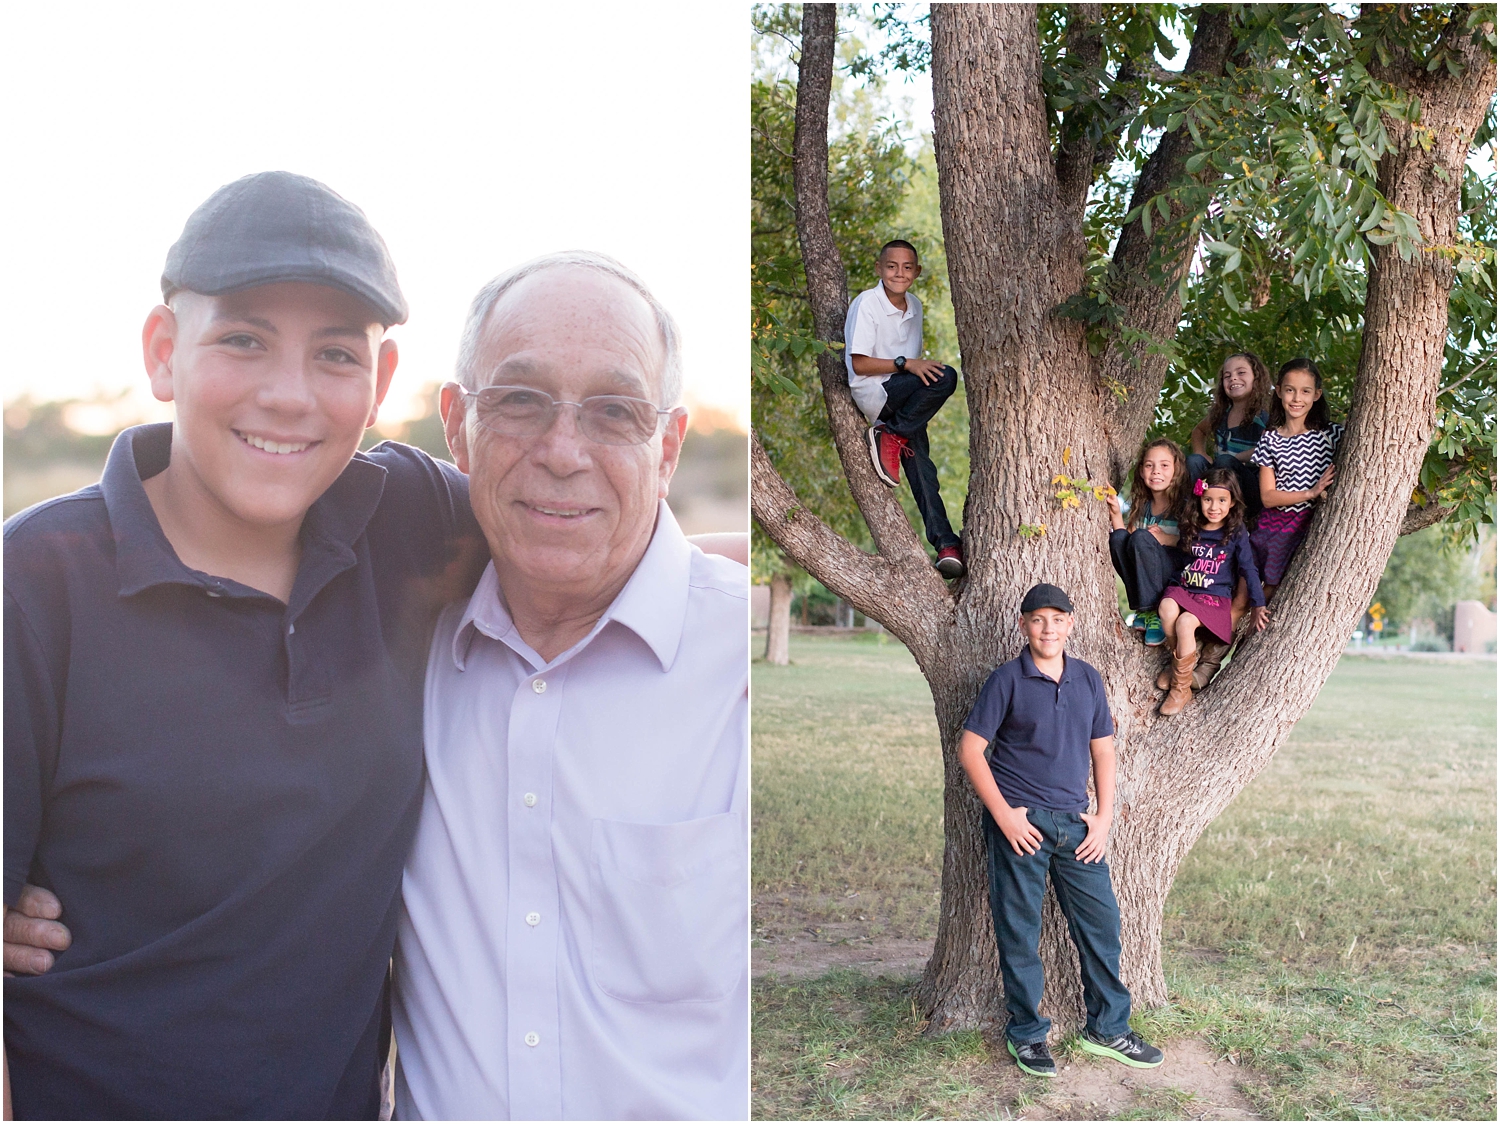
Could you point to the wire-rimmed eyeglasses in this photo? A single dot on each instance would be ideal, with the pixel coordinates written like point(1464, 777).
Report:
point(607, 419)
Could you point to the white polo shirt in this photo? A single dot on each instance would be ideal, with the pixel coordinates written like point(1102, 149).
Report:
point(574, 941)
point(877, 328)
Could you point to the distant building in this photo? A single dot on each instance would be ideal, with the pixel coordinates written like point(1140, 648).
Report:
point(1473, 627)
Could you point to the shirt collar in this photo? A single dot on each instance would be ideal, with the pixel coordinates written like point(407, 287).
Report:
point(144, 557)
point(653, 603)
point(891, 310)
point(1029, 668)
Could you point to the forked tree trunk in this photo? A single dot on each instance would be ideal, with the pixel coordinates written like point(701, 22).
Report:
point(779, 626)
point(1014, 243)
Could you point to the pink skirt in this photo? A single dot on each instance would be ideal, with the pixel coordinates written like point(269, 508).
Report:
point(1211, 611)
point(1276, 537)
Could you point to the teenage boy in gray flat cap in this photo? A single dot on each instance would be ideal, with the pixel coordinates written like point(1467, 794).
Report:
point(1044, 720)
point(213, 691)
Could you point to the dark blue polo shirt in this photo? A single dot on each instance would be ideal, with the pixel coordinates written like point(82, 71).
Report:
point(221, 789)
point(1039, 731)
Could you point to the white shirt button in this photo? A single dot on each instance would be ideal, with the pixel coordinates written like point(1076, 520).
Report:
point(539, 685)
point(533, 1038)
point(533, 918)
point(529, 800)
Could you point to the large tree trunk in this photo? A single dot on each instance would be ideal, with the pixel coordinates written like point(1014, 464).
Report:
point(1014, 242)
point(779, 626)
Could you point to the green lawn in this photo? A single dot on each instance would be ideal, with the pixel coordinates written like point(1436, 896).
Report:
point(1333, 931)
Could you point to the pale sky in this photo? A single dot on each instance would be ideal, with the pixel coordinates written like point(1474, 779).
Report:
point(473, 135)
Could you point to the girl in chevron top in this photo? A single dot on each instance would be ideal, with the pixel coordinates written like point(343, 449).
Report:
point(1295, 455)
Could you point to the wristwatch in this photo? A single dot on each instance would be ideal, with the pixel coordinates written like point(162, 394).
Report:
point(900, 363)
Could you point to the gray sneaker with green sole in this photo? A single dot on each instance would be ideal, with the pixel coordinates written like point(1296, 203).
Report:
point(1129, 1048)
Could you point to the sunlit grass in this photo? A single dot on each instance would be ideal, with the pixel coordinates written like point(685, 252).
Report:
point(1333, 929)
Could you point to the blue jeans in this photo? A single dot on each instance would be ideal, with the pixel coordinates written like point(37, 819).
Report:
point(1017, 885)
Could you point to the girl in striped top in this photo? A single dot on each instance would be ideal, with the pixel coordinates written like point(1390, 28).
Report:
point(1295, 456)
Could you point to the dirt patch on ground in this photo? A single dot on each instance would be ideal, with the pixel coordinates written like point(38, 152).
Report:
point(814, 953)
point(1193, 1083)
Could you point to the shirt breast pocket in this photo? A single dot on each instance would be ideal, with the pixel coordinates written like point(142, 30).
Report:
point(669, 908)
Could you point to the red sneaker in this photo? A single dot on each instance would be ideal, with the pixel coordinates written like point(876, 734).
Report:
point(950, 562)
point(886, 449)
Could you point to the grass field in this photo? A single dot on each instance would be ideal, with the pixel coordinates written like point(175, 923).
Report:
point(1332, 933)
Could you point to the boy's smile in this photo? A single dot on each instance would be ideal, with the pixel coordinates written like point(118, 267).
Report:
point(273, 387)
point(1046, 630)
point(898, 271)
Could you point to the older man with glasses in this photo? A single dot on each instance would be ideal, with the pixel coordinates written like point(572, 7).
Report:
point(574, 942)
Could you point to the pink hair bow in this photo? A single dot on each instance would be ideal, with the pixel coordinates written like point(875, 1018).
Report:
point(1198, 486)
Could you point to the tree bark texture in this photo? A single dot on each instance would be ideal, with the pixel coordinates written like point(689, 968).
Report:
point(1015, 251)
point(779, 624)
point(1154, 307)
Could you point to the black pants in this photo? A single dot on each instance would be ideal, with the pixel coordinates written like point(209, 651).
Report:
point(1144, 565)
point(909, 405)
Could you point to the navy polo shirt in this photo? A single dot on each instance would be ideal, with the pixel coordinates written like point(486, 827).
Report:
point(1039, 731)
point(221, 789)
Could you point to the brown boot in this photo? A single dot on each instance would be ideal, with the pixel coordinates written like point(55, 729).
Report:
point(1169, 648)
point(1182, 684)
point(1211, 655)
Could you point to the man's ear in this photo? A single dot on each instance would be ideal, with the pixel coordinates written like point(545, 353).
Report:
point(385, 367)
point(451, 409)
point(671, 447)
point(158, 347)
point(917, 272)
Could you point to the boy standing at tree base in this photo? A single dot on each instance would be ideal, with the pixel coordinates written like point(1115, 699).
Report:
point(900, 392)
point(1047, 719)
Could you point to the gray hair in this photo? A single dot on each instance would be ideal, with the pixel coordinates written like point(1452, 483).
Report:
point(487, 297)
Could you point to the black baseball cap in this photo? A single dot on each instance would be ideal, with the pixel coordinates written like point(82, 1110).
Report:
point(278, 226)
point(1045, 596)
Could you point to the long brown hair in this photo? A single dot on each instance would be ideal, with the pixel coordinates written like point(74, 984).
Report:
point(1317, 417)
point(1140, 495)
point(1260, 391)
point(1191, 523)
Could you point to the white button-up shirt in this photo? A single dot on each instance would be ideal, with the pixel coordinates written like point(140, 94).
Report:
point(877, 328)
point(575, 938)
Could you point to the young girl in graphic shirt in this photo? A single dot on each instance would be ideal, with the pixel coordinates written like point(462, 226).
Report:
point(1295, 456)
point(1213, 535)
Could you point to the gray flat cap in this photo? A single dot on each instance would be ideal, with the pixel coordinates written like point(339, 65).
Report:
point(1045, 596)
point(277, 226)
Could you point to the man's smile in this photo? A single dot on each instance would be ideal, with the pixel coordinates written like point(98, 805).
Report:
point(554, 511)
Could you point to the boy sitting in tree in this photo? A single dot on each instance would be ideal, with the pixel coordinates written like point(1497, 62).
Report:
point(900, 392)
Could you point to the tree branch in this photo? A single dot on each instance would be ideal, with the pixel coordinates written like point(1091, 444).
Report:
point(1151, 306)
point(828, 288)
point(864, 580)
point(1420, 516)
point(1076, 152)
